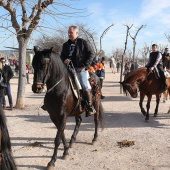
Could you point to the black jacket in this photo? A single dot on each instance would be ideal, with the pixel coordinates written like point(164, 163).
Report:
point(164, 56)
point(84, 52)
point(8, 73)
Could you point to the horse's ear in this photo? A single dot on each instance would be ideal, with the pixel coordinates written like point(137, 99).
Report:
point(51, 49)
point(36, 48)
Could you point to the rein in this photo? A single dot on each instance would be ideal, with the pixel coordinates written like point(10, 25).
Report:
point(47, 75)
point(54, 85)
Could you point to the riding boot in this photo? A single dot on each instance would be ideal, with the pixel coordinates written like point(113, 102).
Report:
point(89, 107)
point(164, 86)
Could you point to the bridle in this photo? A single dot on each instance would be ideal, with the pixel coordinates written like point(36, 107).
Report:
point(46, 69)
point(131, 86)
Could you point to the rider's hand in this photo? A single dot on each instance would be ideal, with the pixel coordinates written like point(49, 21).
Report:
point(152, 68)
point(67, 61)
point(80, 69)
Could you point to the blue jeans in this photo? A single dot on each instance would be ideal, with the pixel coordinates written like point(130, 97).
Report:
point(8, 93)
point(84, 80)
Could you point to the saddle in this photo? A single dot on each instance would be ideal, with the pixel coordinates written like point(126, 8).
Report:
point(78, 93)
point(156, 73)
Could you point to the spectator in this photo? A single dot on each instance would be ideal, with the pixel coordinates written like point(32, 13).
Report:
point(126, 69)
point(101, 73)
point(16, 68)
point(27, 73)
point(2, 83)
point(8, 74)
point(113, 65)
point(118, 66)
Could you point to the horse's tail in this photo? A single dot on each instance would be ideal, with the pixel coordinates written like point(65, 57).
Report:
point(101, 116)
point(7, 162)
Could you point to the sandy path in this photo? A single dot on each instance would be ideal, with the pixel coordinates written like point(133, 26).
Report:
point(123, 121)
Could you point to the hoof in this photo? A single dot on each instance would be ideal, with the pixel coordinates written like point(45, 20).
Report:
point(155, 115)
point(65, 157)
point(93, 142)
point(49, 167)
point(146, 120)
point(71, 145)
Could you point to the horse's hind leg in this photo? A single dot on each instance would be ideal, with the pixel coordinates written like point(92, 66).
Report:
point(158, 96)
point(76, 129)
point(142, 96)
point(164, 97)
point(96, 121)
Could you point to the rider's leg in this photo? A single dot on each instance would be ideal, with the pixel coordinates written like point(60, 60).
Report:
point(161, 72)
point(84, 80)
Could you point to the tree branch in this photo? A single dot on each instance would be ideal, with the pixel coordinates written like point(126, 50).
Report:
point(12, 11)
point(36, 19)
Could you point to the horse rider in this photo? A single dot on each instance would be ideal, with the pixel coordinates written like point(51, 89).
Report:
point(80, 53)
point(164, 55)
point(155, 61)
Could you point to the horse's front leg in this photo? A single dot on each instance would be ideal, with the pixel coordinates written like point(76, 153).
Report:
point(57, 142)
point(148, 107)
point(142, 96)
point(158, 96)
point(76, 129)
point(66, 147)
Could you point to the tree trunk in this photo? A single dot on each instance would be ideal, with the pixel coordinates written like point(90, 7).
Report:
point(20, 102)
point(134, 48)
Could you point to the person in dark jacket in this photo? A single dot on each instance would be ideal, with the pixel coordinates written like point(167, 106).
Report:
point(164, 55)
point(2, 83)
point(80, 53)
point(8, 74)
point(155, 60)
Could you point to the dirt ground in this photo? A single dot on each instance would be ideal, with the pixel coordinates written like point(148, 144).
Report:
point(124, 121)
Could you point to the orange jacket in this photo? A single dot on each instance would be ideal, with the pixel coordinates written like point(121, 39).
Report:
point(100, 66)
point(91, 69)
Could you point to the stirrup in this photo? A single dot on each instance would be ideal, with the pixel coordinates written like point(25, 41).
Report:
point(90, 111)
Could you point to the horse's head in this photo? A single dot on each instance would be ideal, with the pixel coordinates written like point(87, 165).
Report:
point(41, 64)
point(132, 88)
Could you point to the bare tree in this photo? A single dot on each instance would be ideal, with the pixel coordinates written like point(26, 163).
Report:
point(127, 34)
point(168, 37)
point(144, 52)
point(104, 32)
point(24, 17)
point(89, 36)
point(162, 47)
point(134, 40)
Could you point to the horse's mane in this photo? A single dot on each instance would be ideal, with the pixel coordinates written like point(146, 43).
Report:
point(58, 64)
point(138, 73)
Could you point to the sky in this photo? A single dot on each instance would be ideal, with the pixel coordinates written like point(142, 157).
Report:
point(99, 14)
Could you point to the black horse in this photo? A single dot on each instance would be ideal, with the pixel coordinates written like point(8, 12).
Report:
point(59, 100)
point(6, 159)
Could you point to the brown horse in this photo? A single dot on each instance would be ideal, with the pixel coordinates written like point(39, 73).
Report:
point(59, 100)
point(6, 159)
point(167, 62)
point(147, 84)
